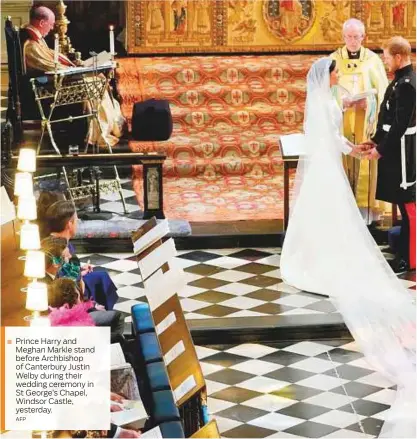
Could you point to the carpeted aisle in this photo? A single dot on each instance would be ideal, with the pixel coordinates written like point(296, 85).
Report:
point(223, 161)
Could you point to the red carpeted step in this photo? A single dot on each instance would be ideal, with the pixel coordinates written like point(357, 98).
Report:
point(224, 94)
point(250, 143)
point(231, 164)
point(213, 198)
point(220, 118)
point(223, 159)
point(222, 69)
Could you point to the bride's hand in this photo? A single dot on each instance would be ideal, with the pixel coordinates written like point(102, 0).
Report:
point(366, 146)
point(358, 151)
point(347, 103)
point(361, 104)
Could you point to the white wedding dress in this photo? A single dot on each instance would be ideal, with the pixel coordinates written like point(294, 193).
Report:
point(328, 250)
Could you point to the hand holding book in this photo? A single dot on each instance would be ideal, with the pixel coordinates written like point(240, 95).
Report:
point(358, 100)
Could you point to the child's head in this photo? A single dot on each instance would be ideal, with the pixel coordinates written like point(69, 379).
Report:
point(56, 253)
point(63, 292)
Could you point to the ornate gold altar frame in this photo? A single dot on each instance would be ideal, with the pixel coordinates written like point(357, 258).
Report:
point(226, 26)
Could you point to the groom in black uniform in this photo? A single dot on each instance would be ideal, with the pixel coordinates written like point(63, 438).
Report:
point(394, 144)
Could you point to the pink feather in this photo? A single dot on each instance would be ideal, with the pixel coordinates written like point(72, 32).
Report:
point(75, 316)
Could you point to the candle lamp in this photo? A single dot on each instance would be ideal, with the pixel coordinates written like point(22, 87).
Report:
point(23, 184)
point(35, 264)
point(56, 51)
point(112, 51)
point(26, 208)
point(36, 299)
point(27, 160)
point(29, 237)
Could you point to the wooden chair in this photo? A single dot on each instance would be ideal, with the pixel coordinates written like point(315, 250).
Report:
point(22, 110)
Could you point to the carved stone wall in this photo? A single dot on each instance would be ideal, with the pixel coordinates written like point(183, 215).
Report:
point(224, 26)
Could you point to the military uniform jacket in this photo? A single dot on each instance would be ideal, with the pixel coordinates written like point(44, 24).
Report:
point(396, 116)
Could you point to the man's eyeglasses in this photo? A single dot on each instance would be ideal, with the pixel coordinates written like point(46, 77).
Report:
point(353, 37)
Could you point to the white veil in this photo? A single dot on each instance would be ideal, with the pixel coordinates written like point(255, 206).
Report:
point(378, 310)
point(319, 129)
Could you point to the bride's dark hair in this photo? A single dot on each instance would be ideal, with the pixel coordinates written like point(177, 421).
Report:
point(332, 66)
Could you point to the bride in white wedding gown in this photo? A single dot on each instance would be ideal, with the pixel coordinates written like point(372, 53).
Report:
point(328, 250)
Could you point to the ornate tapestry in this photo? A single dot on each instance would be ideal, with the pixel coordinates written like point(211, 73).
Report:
point(225, 26)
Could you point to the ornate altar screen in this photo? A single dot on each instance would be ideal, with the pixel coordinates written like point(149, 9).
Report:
point(224, 26)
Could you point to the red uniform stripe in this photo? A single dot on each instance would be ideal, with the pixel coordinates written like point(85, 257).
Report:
point(411, 213)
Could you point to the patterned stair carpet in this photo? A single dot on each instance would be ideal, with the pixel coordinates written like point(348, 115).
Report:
point(223, 160)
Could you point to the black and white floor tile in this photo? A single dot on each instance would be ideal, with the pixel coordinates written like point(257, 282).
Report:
point(112, 203)
point(294, 390)
point(222, 283)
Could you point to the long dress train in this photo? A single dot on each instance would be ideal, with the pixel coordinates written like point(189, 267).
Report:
point(329, 250)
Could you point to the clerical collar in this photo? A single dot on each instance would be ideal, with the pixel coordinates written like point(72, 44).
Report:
point(354, 55)
point(403, 71)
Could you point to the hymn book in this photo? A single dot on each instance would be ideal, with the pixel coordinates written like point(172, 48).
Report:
point(117, 357)
point(133, 415)
point(103, 58)
point(354, 97)
point(153, 433)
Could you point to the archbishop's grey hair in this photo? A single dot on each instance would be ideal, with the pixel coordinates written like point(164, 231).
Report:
point(353, 22)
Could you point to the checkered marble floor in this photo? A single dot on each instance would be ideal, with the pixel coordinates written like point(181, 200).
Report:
point(222, 283)
point(294, 390)
point(111, 202)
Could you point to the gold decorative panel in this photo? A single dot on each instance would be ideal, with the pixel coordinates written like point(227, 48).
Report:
point(224, 26)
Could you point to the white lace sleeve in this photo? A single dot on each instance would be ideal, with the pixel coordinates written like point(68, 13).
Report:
point(336, 120)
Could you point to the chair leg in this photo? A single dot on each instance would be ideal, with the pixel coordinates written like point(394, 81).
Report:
point(64, 171)
point(41, 138)
point(51, 136)
point(119, 186)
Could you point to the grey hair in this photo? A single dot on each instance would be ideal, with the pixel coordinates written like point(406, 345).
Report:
point(353, 22)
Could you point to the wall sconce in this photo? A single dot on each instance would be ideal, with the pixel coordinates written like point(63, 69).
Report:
point(35, 264)
point(27, 160)
point(29, 237)
point(26, 208)
point(23, 184)
point(36, 299)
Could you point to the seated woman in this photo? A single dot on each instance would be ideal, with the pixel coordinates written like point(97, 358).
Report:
point(60, 221)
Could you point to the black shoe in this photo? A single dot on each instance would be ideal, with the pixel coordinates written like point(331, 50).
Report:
point(399, 265)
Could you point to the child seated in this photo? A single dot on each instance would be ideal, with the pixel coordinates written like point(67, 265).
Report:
point(66, 306)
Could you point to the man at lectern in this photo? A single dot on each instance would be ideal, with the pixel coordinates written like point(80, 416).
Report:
point(360, 70)
point(39, 58)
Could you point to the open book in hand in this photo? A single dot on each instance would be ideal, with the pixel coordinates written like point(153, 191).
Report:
point(352, 97)
point(133, 414)
point(117, 357)
point(153, 433)
point(103, 58)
